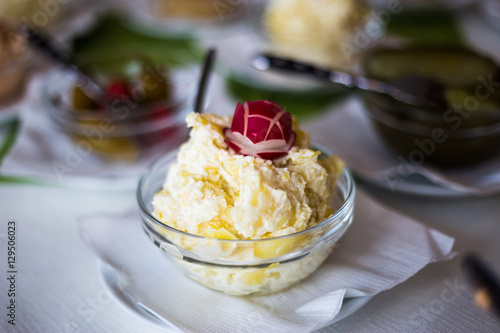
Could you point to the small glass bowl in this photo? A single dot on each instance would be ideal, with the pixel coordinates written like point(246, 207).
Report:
point(127, 132)
point(295, 33)
point(465, 133)
point(243, 267)
point(434, 140)
point(13, 74)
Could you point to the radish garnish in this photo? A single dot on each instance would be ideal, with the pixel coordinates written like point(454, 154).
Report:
point(260, 129)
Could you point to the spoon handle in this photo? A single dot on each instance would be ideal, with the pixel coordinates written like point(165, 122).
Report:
point(43, 44)
point(264, 62)
point(208, 64)
point(416, 91)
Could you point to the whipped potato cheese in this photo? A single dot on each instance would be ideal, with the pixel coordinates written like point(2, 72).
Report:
point(212, 191)
point(319, 31)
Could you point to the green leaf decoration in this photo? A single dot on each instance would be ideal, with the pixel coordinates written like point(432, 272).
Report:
point(11, 129)
point(304, 105)
point(113, 37)
point(21, 180)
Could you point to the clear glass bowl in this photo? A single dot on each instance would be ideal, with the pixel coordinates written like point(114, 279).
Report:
point(127, 132)
point(14, 72)
point(243, 267)
point(435, 141)
point(464, 133)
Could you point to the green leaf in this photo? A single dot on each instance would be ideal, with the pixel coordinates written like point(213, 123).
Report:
point(113, 37)
point(11, 132)
point(21, 180)
point(302, 104)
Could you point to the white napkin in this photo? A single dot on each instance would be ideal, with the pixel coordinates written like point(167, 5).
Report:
point(348, 131)
point(380, 250)
point(44, 152)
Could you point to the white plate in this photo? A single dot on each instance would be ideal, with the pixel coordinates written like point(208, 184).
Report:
point(112, 278)
point(417, 185)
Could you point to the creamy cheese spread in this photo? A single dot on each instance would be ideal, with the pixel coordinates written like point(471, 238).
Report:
point(211, 191)
point(316, 30)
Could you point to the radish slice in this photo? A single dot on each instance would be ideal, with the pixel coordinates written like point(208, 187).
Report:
point(260, 129)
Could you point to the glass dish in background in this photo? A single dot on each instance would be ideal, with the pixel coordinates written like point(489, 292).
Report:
point(329, 33)
point(199, 17)
point(303, 97)
point(427, 4)
point(124, 132)
point(490, 10)
point(466, 132)
point(202, 10)
point(39, 14)
point(243, 267)
point(16, 62)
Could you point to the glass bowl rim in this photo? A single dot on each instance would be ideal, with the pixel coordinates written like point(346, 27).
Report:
point(389, 119)
point(13, 64)
point(418, 112)
point(347, 202)
point(60, 115)
point(385, 102)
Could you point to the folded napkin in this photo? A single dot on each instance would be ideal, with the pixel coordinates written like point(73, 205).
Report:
point(348, 131)
point(380, 250)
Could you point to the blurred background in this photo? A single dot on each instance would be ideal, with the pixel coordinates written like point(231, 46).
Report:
point(145, 57)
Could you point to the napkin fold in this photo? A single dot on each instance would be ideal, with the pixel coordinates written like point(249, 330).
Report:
point(349, 132)
point(380, 250)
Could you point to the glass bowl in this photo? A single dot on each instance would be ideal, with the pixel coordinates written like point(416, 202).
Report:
point(16, 62)
point(123, 132)
point(464, 133)
point(331, 34)
point(243, 267)
point(13, 74)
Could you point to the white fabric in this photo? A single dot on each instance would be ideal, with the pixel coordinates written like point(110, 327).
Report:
point(380, 250)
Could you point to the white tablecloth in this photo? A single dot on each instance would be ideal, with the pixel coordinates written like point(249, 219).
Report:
point(59, 287)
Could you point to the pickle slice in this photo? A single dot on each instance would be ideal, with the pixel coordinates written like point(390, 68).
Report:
point(452, 67)
point(81, 101)
point(119, 149)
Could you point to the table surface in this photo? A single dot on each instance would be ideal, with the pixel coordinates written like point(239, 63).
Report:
point(59, 287)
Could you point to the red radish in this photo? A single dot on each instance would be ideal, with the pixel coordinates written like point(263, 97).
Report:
point(118, 90)
point(260, 129)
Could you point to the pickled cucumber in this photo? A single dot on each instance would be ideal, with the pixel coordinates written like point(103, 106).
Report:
point(155, 86)
point(457, 96)
point(469, 125)
point(119, 149)
point(81, 101)
point(452, 67)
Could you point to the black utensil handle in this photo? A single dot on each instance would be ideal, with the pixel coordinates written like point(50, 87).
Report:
point(203, 83)
point(43, 44)
point(267, 61)
point(482, 276)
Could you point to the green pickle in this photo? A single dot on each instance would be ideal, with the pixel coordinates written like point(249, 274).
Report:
point(469, 126)
point(155, 86)
point(81, 101)
point(452, 66)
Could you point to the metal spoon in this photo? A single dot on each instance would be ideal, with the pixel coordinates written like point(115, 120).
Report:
point(42, 43)
point(417, 91)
